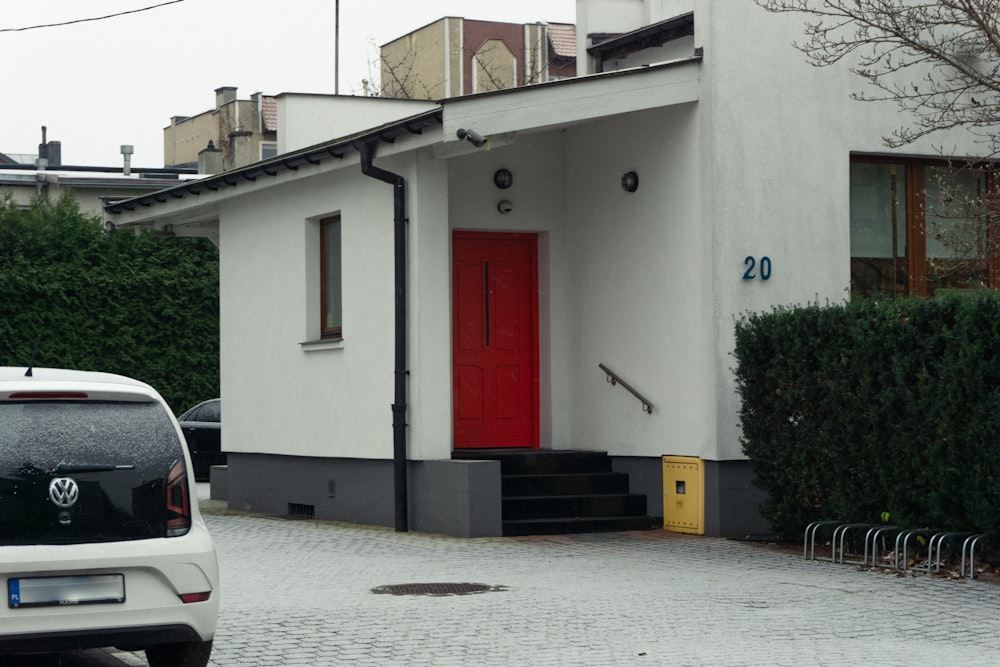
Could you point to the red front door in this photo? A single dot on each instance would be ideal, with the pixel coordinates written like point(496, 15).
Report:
point(495, 339)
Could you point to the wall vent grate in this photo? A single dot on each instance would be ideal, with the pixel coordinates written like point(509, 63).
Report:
point(298, 511)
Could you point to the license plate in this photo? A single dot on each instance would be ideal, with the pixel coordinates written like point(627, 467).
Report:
point(65, 591)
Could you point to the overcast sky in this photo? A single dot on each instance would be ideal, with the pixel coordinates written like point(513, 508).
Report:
point(99, 84)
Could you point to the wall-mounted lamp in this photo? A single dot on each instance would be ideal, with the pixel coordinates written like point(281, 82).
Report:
point(503, 179)
point(472, 137)
point(630, 181)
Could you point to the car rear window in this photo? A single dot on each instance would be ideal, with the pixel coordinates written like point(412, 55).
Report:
point(117, 453)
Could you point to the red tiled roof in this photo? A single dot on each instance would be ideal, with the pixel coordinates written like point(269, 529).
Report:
point(269, 113)
point(562, 37)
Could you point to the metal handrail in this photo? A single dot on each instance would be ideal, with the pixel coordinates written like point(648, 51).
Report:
point(614, 379)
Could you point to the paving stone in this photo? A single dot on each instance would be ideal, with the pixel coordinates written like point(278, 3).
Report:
point(297, 591)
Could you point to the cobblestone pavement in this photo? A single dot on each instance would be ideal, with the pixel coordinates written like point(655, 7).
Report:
point(299, 593)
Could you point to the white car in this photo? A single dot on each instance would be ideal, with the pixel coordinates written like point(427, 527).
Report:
point(101, 539)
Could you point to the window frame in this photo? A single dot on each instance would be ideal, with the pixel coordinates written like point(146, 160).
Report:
point(336, 331)
point(916, 218)
point(266, 146)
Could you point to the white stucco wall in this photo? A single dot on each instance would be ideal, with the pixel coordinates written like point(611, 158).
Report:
point(538, 196)
point(306, 120)
point(775, 136)
point(640, 267)
point(743, 154)
point(780, 134)
point(331, 401)
point(621, 276)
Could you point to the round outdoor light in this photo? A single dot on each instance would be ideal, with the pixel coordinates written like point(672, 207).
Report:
point(630, 181)
point(503, 179)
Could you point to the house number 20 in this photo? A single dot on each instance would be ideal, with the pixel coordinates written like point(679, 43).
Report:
point(757, 268)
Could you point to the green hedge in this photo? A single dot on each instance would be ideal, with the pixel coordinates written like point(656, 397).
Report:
point(73, 296)
point(875, 406)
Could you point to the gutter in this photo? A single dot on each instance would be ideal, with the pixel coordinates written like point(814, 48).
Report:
point(398, 184)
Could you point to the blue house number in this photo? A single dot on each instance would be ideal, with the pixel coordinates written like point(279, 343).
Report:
point(757, 268)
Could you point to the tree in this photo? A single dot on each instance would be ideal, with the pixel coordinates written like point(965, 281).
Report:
point(938, 61)
point(74, 296)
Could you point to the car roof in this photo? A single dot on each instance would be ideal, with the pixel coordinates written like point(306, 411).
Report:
point(99, 385)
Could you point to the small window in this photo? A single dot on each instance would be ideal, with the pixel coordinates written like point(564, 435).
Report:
point(330, 280)
point(268, 149)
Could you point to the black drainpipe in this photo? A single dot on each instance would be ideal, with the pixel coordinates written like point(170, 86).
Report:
point(398, 184)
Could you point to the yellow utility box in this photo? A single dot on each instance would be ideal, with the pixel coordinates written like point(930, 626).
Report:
point(684, 494)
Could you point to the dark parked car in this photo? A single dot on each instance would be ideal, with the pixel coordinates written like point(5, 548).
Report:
point(202, 427)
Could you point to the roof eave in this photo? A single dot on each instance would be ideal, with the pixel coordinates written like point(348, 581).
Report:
point(306, 157)
point(650, 36)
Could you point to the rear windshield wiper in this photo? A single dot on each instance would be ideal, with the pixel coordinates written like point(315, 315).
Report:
point(67, 468)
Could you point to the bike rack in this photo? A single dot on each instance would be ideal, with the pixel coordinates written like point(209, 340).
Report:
point(905, 537)
point(872, 537)
point(939, 539)
point(841, 532)
point(970, 542)
point(877, 533)
point(809, 539)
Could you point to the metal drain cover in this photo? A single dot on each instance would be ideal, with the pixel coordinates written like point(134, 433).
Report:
point(437, 589)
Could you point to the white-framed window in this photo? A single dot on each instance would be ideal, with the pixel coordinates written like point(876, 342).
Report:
point(268, 149)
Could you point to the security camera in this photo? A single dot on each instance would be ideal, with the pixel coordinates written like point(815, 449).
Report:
point(472, 137)
point(505, 207)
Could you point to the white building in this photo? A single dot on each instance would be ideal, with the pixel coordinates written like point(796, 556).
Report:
point(743, 155)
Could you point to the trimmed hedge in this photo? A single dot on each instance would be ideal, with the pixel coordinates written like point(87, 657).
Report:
point(73, 296)
point(875, 406)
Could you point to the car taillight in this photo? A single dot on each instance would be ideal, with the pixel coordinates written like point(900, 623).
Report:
point(188, 598)
point(47, 395)
point(178, 500)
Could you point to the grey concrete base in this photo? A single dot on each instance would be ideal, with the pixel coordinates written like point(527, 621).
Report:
point(732, 502)
point(458, 498)
point(454, 497)
point(731, 499)
point(218, 480)
point(645, 476)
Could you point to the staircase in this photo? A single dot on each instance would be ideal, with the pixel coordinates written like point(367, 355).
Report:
point(546, 492)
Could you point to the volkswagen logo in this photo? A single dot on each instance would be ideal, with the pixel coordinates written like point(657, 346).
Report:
point(63, 492)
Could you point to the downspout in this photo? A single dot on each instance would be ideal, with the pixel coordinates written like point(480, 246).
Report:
point(398, 184)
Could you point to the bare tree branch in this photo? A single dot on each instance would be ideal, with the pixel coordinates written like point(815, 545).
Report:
point(937, 60)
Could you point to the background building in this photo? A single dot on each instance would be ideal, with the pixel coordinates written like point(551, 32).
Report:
point(25, 177)
point(456, 56)
point(240, 131)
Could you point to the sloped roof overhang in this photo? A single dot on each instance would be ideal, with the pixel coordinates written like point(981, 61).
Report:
point(540, 107)
point(137, 210)
point(572, 101)
point(647, 37)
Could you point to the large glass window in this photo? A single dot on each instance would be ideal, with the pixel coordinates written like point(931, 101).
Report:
point(878, 228)
point(918, 227)
point(331, 308)
point(956, 228)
